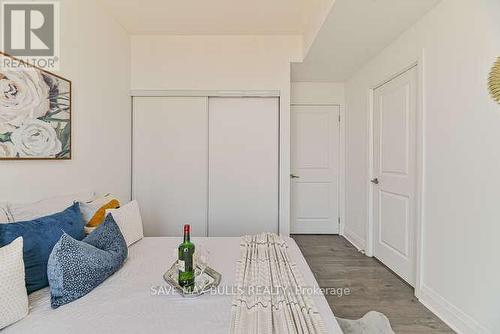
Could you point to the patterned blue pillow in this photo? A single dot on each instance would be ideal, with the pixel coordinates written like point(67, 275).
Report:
point(39, 236)
point(77, 267)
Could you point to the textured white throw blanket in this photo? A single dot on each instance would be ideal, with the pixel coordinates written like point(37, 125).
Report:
point(272, 297)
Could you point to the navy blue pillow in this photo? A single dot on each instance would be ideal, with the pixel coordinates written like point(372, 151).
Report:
point(77, 267)
point(40, 236)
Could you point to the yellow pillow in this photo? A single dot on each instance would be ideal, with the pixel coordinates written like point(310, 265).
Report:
point(99, 216)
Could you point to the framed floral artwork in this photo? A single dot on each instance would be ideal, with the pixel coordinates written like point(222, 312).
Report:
point(35, 113)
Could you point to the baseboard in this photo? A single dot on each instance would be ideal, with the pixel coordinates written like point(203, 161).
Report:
point(454, 317)
point(354, 239)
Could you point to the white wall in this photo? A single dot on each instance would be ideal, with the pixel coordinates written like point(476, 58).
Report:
point(95, 56)
point(318, 93)
point(223, 63)
point(315, 14)
point(461, 229)
point(213, 62)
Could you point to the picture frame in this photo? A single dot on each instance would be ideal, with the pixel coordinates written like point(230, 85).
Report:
point(35, 112)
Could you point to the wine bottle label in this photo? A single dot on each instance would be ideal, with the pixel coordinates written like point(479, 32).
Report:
point(182, 265)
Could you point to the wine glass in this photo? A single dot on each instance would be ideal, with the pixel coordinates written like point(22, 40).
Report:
point(201, 258)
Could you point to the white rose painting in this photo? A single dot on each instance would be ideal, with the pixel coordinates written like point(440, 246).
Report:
point(35, 114)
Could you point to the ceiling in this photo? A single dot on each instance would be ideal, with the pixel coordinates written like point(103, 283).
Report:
point(208, 17)
point(354, 32)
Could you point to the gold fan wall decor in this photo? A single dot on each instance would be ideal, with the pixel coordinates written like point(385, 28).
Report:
point(494, 81)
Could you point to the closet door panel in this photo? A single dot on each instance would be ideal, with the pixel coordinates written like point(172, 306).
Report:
point(243, 165)
point(170, 163)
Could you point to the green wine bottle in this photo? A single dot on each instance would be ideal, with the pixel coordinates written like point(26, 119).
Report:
point(186, 265)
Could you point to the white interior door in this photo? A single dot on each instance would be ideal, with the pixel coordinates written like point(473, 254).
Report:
point(243, 166)
point(170, 163)
point(315, 169)
point(394, 160)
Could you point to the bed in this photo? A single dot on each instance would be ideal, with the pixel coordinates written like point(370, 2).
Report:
point(133, 299)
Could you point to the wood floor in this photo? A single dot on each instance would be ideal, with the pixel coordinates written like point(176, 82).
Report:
point(337, 264)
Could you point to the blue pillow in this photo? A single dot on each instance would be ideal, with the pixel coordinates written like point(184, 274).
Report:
point(77, 267)
point(40, 235)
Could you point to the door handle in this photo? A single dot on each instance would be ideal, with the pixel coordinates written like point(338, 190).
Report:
point(374, 181)
point(294, 176)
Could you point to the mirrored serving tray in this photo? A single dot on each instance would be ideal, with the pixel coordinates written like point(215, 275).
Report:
point(203, 282)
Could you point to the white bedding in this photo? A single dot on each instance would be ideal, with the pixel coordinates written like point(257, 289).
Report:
point(125, 303)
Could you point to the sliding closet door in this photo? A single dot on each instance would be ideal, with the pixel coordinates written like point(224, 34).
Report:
point(170, 163)
point(243, 165)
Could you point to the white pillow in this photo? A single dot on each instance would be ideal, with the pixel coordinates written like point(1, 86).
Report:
point(5, 214)
point(128, 218)
point(30, 211)
point(14, 305)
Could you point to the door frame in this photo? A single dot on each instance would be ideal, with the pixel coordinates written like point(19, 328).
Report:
point(420, 167)
point(342, 158)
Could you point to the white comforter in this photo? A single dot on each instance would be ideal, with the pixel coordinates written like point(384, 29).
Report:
point(128, 301)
